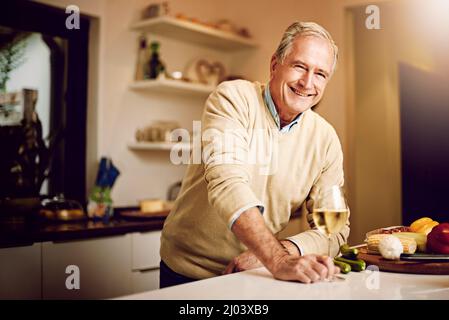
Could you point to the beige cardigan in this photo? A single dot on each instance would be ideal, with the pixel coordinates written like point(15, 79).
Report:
point(249, 163)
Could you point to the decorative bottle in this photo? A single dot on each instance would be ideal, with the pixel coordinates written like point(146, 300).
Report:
point(142, 59)
point(156, 67)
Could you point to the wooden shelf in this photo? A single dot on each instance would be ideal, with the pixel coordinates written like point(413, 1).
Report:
point(191, 32)
point(172, 86)
point(158, 146)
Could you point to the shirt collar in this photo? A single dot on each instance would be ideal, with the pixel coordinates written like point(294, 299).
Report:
point(272, 107)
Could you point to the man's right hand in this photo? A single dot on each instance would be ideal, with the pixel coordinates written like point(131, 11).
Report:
point(251, 230)
point(307, 269)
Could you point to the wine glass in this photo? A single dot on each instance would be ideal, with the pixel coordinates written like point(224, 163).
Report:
point(330, 211)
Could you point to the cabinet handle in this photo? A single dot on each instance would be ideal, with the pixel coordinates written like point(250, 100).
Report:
point(147, 269)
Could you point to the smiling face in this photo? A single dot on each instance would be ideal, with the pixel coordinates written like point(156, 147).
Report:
point(298, 82)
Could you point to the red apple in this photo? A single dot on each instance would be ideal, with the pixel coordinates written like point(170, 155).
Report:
point(438, 239)
point(442, 231)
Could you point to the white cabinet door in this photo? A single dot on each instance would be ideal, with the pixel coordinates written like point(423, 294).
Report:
point(20, 272)
point(146, 250)
point(145, 260)
point(104, 266)
point(145, 280)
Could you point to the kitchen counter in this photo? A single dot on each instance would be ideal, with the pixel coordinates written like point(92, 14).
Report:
point(258, 284)
point(26, 232)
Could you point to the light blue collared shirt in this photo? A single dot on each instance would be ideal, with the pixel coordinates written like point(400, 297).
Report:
point(272, 107)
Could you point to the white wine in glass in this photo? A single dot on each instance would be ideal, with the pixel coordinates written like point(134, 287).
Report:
point(330, 221)
point(330, 212)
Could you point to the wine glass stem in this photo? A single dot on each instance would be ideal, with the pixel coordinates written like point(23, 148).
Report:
point(332, 278)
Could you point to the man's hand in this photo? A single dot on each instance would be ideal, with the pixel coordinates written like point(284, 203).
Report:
point(306, 269)
point(276, 257)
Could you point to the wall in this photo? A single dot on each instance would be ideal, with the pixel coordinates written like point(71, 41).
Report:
point(410, 34)
point(376, 157)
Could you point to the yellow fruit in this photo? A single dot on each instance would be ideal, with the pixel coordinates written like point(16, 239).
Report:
point(420, 238)
point(419, 223)
point(427, 227)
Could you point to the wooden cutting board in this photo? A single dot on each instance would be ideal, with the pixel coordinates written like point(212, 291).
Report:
point(402, 266)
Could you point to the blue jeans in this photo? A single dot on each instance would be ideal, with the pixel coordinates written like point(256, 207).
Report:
point(168, 278)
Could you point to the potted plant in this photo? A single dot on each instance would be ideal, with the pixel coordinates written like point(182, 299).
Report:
point(12, 54)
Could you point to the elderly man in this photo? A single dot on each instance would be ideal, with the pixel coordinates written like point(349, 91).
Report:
point(229, 209)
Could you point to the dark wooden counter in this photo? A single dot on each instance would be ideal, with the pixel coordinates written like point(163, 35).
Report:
point(20, 232)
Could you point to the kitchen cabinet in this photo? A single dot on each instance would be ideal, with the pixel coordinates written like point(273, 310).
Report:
point(145, 280)
point(145, 250)
point(104, 268)
point(145, 260)
point(108, 267)
point(20, 272)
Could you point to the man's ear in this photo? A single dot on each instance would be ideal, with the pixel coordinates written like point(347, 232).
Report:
point(273, 64)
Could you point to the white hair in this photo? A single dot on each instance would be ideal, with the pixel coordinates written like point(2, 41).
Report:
point(304, 29)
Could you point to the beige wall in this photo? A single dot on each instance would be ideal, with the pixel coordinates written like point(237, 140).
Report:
point(410, 34)
point(376, 129)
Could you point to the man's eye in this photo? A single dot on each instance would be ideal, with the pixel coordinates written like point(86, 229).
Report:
point(322, 75)
point(300, 67)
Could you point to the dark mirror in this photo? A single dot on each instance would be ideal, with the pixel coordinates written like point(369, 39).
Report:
point(43, 98)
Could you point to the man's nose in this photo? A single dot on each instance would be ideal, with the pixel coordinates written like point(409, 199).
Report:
point(306, 80)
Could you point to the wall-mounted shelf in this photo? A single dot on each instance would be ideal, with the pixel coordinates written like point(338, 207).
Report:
point(172, 86)
point(158, 146)
point(191, 32)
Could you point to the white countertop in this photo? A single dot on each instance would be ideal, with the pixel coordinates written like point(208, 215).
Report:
point(258, 284)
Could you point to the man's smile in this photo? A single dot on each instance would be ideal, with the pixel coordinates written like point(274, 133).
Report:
point(300, 93)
